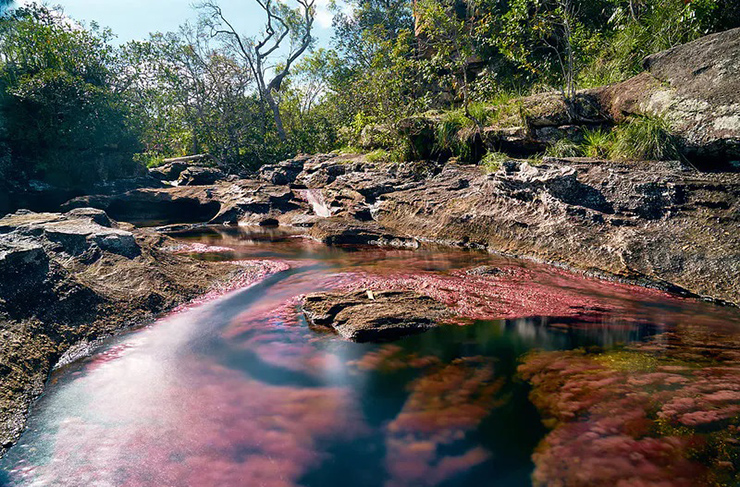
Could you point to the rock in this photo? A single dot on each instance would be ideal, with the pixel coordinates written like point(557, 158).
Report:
point(66, 279)
point(168, 205)
point(168, 172)
point(338, 231)
point(695, 86)
point(387, 315)
point(656, 223)
point(245, 200)
point(194, 160)
point(284, 172)
point(199, 176)
point(487, 270)
point(649, 222)
point(74, 233)
point(98, 216)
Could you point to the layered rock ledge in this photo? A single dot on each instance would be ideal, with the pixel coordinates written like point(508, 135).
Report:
point(68, 280)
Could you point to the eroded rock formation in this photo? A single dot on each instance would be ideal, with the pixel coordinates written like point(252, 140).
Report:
point(67, 280)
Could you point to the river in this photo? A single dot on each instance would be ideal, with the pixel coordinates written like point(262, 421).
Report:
point(240, 391)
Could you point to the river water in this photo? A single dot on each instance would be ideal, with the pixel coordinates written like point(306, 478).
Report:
point(240, 391)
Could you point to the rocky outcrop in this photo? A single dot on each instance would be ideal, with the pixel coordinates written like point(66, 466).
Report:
point(650, 222)
point(235, 201)
point(70, 279)
point(199, 176)
point(658, 223)
point(168, 172)
point(374, 316)
point(697, 88)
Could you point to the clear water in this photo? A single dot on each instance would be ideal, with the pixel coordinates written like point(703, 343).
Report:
point(239, 391)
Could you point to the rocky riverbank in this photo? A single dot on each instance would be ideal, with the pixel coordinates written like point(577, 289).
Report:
point(661, 224)
point(69, 280)
point(672, 225)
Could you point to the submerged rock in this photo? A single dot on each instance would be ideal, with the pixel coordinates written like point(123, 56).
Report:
point(364, 316)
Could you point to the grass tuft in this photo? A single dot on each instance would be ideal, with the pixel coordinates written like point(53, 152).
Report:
point(493, 161)
point(597, 143)
point(378, 155)
point(564, 148)
point(645, 138)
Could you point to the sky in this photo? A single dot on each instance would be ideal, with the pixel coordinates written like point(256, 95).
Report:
point(135, 19)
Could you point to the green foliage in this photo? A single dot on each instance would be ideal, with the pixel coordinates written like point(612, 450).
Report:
point(378, 155)
point(454, 133)
point(63, 120)
point(149, 159)
point(564, 148)
point(636, 30)
point(74, 109)
point(646, 138)
point(492, 161)
point(597, 143)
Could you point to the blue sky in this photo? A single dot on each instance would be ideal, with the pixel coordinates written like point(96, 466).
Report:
point(135, 19)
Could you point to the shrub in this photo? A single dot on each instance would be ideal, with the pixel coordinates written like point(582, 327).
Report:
point(492, 161)
point(597, 143)
point(646, 138)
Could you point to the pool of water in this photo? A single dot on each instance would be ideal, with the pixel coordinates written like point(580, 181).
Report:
point(240, 391)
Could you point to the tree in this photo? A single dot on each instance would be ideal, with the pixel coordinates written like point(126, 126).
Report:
point(191, 96)
point(63, 122)
point(282, 23)
point(443, 31)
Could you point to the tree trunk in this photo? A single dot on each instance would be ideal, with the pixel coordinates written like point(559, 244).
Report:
point(276, 114)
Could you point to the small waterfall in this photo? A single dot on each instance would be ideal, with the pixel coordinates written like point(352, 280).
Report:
point(316, 200)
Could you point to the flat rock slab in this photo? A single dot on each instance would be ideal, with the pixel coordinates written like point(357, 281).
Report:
point(363, 316)
point(341, 231)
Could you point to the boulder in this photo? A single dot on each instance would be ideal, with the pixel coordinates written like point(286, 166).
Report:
point(168, 172)
point(199, 176)
point(364, 316)
point(342, 231)
point(75, 233)
point(696, 87)
point(284, 172)
point(98, 216)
